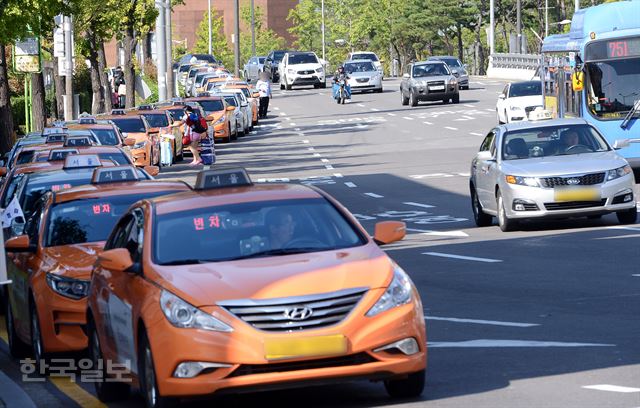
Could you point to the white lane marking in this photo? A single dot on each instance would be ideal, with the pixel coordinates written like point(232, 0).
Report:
point(292, 124)
point(276, 108)
point(375, 110)
point(625, 228)
point(337, 175)
point(311, 149)
point(350, 184)
point(391, 114)
point(427, 123)
point(283, 114)
point(296, 129)
point(476, 321)
point(450, 128)
point(317, 155)
point(305, 141)
point(490, 110)
point(374, 195)
point(609, 387)
point(361, 105)
point(476, 134)
point(484, 343)
point(466, 258)
point(418, 204)
point(321, 93)
point(407, 118)
point(324, 160)
point(468, 105)
point(273, 180)
point(637, 275)
point(460, 234)
point(420, 176)
point(287, 119)
point(328, 167)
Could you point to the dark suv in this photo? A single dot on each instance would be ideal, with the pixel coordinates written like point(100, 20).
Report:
point(271, 64)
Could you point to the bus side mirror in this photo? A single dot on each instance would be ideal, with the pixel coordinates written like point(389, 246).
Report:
point(577, 81)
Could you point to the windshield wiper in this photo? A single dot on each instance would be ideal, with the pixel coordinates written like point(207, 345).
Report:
point(184, 262)
point(630, 115)
point(277, 252)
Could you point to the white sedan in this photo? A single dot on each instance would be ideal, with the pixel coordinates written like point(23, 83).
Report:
point(517, 100)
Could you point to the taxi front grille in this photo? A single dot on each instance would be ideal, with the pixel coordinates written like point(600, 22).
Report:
point(435, 83)
point(362, 79)
point(585, 180)
point(296, 313)
point(574, 205)
point(343, 361)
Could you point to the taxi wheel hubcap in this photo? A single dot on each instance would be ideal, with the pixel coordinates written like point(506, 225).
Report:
point(35, 336)
point(149, 376)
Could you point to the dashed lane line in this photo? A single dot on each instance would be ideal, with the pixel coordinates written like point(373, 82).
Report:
point(276, 108)
point(375, 110)
point(350, 184)
point(337, 175)
point(283, 114)
point(328, 167)
point(457, 234)
point(374, 195)
point(468, 105)
point(462, 257)
point(450, 128)
point(391, 114)
point(361, 105)
point(427, 123)
point(613, 388)
point(500, 343)
point(475, 134)
point(418, 204)
point(476, 321)
point(324, 160)
point(407, 118)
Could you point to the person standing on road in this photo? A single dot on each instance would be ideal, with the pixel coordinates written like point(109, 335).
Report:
point(264, 87)
point(193, 130)
point(122, 95)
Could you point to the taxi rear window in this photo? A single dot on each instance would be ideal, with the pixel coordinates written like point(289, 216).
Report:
point(88, 220)
point(116, 157)
point(156, 119)
point(212, 106)
point(130, 125)
point(107, 137)
point(251, 230)
point(25, 157)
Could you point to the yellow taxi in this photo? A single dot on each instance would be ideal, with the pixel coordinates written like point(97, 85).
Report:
point(219, 115)
point(50, 263)
point(146, 149)
point(235, 286)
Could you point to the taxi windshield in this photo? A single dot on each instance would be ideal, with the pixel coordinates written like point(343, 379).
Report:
point(156, 119)
point(107, 137)
point(130, 125)
point(35, 189)
point(251, 230)
point(211, 106)
point(231, 100)
point(88, 220)
point(552, 141)
point(116, 157)
point(352, 67)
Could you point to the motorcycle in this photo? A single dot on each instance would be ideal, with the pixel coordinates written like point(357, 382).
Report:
point(341, 91)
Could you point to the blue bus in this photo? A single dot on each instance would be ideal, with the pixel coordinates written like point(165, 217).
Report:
point(602, 52)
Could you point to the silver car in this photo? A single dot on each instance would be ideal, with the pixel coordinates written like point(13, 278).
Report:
point(253, 68)
point(363, 76)
point(428, 81)
point(558, 168)
point(458, 69)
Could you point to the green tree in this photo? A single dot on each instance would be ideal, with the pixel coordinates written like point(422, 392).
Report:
point(219, 45)
point(266, 38)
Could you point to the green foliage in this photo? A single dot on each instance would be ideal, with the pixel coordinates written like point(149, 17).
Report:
point(219, 45)
point(266, 39)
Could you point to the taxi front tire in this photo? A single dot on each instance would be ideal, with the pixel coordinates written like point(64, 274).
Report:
point(409, 387)
point(17, 347)
point(403, 99)
point(479, 216)
point(106, 391)
point(506, 224)
point(37, 346)
point(148, 381)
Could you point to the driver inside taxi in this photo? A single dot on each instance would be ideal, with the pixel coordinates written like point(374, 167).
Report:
point(281, 228)
point(569, 139)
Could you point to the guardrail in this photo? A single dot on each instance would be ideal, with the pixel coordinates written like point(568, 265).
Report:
point(514, 66)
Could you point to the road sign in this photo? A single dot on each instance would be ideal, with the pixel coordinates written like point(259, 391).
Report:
point(26, 55)
point(58, 42)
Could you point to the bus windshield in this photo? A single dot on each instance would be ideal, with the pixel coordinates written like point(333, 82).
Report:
point(612, 87)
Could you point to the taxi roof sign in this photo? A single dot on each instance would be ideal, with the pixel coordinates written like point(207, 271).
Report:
point(61, 154)
point(117, 174)
point(53, 130)
point(88, 120)
point(118, 112)
point(78, 141)
point(78, 161)
point(145, 107)
point(222, 177)
point(56, 138)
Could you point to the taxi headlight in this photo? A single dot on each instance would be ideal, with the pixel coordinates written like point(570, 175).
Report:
point(397, 294)
point(140, 145)
point(619, 172)
point(219, 121)
point(183, 315)
point(523, 181)
point(67, 287)
point(453, 81)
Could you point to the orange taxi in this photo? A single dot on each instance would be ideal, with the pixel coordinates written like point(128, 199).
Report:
point(50, 264)
point(254, 98)
point(167, 128)
point(146, 149)
point(219, 116)
point(106, 132)
point(238, 286)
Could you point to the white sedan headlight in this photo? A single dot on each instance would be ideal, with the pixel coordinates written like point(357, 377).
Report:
point(515, 108)
point(397, 294)
point(320, 70)
point(181, 314)
point(523, 181)
point(619, 172)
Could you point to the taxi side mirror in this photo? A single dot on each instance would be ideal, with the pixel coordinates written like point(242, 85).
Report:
point(3, 171)
point(118, 259)
point(406, 76)
point(577, 81)
point(152, 170)
point(130, 141)
point(387, 232)
point(154, 130)
point(484, 155)
point(21, 243)
point(502, 96)
point(231, 108)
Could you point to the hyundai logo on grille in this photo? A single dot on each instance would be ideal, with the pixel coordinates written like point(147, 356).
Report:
point(573, 181)
point(298, 313)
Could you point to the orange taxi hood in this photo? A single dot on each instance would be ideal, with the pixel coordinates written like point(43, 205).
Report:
point(213, 116)
point(72, 261)
point(139, 136)
point(275, 277)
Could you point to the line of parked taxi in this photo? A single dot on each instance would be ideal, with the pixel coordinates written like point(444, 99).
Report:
point(222, 287)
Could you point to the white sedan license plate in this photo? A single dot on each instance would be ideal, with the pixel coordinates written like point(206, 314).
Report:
point(576, 194)
point(437, 88)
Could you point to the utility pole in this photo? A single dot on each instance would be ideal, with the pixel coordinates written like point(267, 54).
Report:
point(236, 71)
point(518, 27)
point(492, 27)
point(322, 28)
point(161, 50)
point(209, 17)
point(577, 5)
point(68, 57)
point(546, 18)
point(253, 30)
point(169, 51)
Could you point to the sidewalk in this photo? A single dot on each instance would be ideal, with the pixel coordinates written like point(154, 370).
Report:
point(11, 395)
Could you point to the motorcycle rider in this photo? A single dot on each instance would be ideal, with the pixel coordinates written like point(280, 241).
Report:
point(339, 76)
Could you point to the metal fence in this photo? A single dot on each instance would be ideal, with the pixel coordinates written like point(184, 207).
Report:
point(529, 62)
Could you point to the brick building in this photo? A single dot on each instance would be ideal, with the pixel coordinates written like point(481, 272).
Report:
point(187, 17)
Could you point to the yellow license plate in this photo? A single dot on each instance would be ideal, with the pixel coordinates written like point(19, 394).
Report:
point(276, 349)
point(577, 194)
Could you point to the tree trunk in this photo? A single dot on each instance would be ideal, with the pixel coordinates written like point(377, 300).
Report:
point(104, 80)
point(480, 55)
point(6, 117)
point(38, 107)
point(129, 72)
point(97, 103)
point(60, 86)
point(460, 50)
point(563, 10)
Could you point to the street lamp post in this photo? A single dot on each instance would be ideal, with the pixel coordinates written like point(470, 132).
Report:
point(209, 17)
point(236, 71)
point(169, 50)
point(323, 53)
point(161, 50)
point(253, 31)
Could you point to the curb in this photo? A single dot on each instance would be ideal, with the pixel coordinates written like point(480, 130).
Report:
point(11, 395)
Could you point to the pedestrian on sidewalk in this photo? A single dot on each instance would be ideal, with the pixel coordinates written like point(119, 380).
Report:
point(264, 87)
point(122, 95)
point(193, 132)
